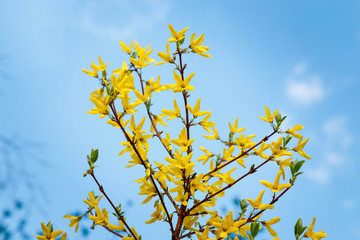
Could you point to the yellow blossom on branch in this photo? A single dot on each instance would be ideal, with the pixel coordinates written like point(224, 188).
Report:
point(177, 36)
point(165, 56)
point(195, 45)
point(180, 84)
point(269, 117)
point(268, 224)
point(300, 146)
point(314, 235)
point(275, 187)
point(257, 203)
point(126, 48)
point(48, 234)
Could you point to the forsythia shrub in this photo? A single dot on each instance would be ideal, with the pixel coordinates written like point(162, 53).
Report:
point(182, 197)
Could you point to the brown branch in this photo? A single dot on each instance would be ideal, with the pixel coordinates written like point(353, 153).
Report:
point(183, 213)
point(251, 171)
point(113, 206)
point(110, 230)
point(158, 134)
point(113, 109)
point(240, 155)
point(250, 219)
point(184, 93)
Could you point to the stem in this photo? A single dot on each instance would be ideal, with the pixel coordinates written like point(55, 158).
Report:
point(150, 117)
point(184, 93)
point(113, 206)
point(271, 203)
point(112, 106)
point(158, 134)
point(110, 230)
point(183, 213)
point(240, 155)
point(251, 171)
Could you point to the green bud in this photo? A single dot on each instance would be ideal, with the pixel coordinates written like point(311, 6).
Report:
point(181, 41)
point(50, 226)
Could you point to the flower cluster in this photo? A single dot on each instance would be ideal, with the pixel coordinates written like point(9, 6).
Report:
point(183, 196)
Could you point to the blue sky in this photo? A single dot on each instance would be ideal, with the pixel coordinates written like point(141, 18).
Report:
point(300, 57)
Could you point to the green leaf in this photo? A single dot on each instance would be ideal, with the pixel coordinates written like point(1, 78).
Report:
point(243, 204)
point(110, 89)
point(298, 226)
point(94, 155)
point(181, 41)
point(50, 226)
point(298, 165)
point(255, 226)
point(133, 55)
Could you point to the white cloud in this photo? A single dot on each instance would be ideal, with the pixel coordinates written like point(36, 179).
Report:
point(337, 134)
point(349, 204)
point(337, 140)
point(119, 20)
point(334, 158)
point(320, 174)
point(304, 88)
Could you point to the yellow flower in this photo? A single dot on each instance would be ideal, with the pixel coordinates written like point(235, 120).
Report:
point(172, 114)
point(182, 141)
point(129, 107)
point(181, 197)
point(196, 110)
point(101, 218)
point(100, 103)
point(257, 203)
point(63, 237)
point(195, 45)
point(93, 201)
point(260, 151)
point(275, 187)
point(96, 68)
point(313, 235)
point(74, 221)
point(143, 54)
point(157, 215)
point(268, 224)
point(206, 157)
point(126, 48)
point(234, 129)
point(226, 177)
point(277, 150)
point(131, 238)
point(177, 36)
point(180, 84)
point(204, 235)
point(206, 124)
point(165, 56)
point(300, 146)
point(282, 164)
point(227, 227)
point(157, 119)
point(245, 142)
point(154, 86)
point(294, 129)
point(227, 153)
point(48, 235)
point(215, 136)
point(269, 117)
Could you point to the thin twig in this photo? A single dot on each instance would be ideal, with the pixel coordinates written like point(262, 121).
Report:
point(113, 206)
point(113, 109)
point(240, 155)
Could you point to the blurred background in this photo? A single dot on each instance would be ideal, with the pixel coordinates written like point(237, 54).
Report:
point(301, 57)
